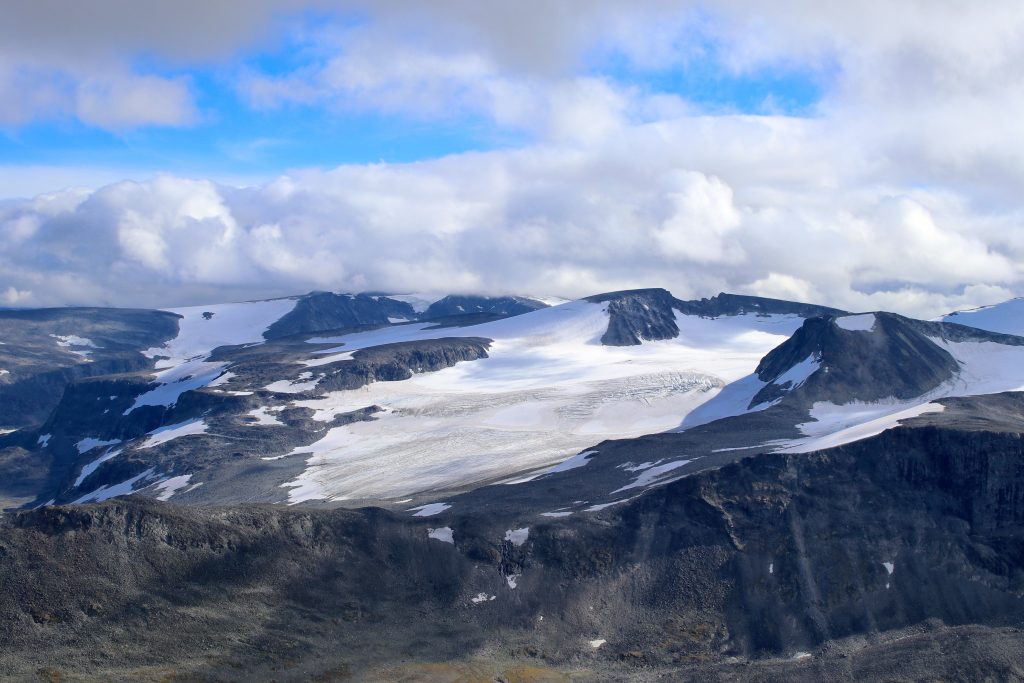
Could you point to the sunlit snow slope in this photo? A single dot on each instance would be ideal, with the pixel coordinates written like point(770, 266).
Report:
point(1006, 317)
point(548, 389)
point(182, 364)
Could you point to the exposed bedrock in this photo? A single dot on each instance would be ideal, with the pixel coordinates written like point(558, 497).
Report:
point(893, 359)
point(763, 558)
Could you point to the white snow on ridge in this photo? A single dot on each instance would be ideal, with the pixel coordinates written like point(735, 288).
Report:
point(167, 433)
point(864, 322)
point(548, 389)
point(985, 368)
point(1005, 318)
point(831, 421)
point(326, 360)
point(201, 329)
point(419, 302)
point(229, 325)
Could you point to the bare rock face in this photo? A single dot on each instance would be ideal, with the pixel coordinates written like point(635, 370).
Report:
point(494, 307)
point(322, 311)
point(821, 553)
point(44, 350)
point(640, 315)
point(396, 362)
point(890, 360)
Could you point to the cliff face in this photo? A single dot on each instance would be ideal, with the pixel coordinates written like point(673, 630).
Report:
point(828, 553)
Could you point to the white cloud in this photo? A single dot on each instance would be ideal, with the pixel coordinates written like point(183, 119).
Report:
point(110, 99)
point(634, 210)
point(129, 101)
point(900, 191)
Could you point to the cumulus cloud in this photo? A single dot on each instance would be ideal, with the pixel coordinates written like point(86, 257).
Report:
point(899, 190)
point(569, 220)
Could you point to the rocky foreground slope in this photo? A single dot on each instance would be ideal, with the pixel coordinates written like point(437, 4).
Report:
point(896, 558)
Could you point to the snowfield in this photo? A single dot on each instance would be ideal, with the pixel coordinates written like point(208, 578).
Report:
point(1006, 317)
point(548, 389)
point(182, 364)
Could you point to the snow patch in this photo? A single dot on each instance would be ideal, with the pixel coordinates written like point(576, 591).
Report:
point(604, 506)
point(167, 433)
point(123, 489)
point(517, 536)
point(327, 360)
point(75, 344)
point(443, 534)
point(889, 567)
point(92, 466)
point(174, 381)
point(597, 643)
point(419, 302)
point(799, 373)
point(263, 416)
point(650, 475)
point(864, 322)
point(168, 487)
point(304, 382)
point(830, 426)
point(43, 440)
point(90, 443)
point(182, 363)
point(229, 325)
point(555, 514)
point(430, 509)
point(578, 460)
point(482, 597)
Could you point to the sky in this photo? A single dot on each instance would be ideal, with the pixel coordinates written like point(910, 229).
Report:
point(863, 155)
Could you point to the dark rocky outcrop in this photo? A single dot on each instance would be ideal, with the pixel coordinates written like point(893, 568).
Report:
point(39, 367)
point(892, 360)
point(639, 315)
point(396, 362)
point(495, 307)
point(323, 311)
point(738, 304)
point(725, 575)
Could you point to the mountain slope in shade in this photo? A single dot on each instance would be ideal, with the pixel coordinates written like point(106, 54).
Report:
point(894, 551)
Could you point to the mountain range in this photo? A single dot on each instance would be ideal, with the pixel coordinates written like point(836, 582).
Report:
point(628, 486)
